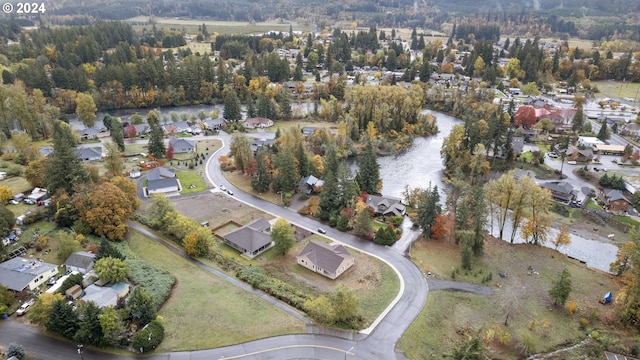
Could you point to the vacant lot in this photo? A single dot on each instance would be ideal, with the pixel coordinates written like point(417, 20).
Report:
point(618, 89)
point(220, 27)
point(217, 209)
point(204, 311)
point(521, 294)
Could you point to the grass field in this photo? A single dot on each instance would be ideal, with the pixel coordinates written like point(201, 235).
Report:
point(219, 27)
point(243, 182)
point(204, 311)
point(522, 293)
point(192, 182)
point(16, 184)
point(618, 90)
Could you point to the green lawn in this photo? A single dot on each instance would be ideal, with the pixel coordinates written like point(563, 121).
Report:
point(188, 178)
point(204, 311)
point(16, 184)
point(617, 89)
point(627, 220)
point(592, 205)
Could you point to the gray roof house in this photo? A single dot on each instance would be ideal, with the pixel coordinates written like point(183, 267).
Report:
point(385, 206)
point(93, 153)
point(20, 274)
point(251, 239)
point(181, 145)
point(561, 190)
point(162, 180)
point(80, 261)
point(329, 260)
point(91, 133)
point(309, 184)
point(104, 296)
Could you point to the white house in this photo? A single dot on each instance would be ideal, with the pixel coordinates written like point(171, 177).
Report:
point(589, 141)
point(20, 274)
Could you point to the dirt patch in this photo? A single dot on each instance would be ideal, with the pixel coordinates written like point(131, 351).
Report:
point(217, 209)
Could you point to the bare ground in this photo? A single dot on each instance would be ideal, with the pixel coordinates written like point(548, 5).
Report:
point(217, 209)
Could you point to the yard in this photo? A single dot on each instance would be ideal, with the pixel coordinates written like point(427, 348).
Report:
point(16, 184)
point(521, 276)
point(219, 315)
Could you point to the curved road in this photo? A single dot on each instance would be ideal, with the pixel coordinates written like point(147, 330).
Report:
point(376, 342)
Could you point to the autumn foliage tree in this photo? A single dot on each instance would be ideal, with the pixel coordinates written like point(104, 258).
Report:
point(525, 116)
point(440, 227)
point(130, 132)
point(563, 238)
point(169, 153)
point(197, 243)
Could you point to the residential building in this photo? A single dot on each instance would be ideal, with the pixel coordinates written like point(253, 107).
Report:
point(104, 296)
point(589, 141)
point(162, 180)
point(561, 190)
point(20, 274)
point(309, 184)
point(330, 260)
point(80, 261)
point(614, 201)
point(251, 239)
point(385, 206)
point(181, 145)
point(93, 153)
point(257, 122)
point(605, 149)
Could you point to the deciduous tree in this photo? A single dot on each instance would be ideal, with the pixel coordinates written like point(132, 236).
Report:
point(525, 116)
point(113, 160)
point(197, 243)
point(240, 150)
point(563, 238)
point(362, 220)
point(86, 109)
point(140, 306)
point(112, 325)
point(111, 269)
point(41, 309)
point(5, 194)
point(282, 236)
point(117, 135)
point(36, 172)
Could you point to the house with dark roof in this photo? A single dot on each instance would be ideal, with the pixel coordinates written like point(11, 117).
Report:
point(385, 206)
point(20, 274)
point(104, 296)
point(45, 150)
point(308, 130)
point(614, 201)
point(142, 129)
point(329, 260)
point(214, 124)
point(92, 133)
point(80, 261)
point(93, 153)
point(252, 239)
point(309, 184)
point(181, 145)
point(520, 173)
point(257, 122)
point(256, 144)
point(162, 180)
point(561, 190)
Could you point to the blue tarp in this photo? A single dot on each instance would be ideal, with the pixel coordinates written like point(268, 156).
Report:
point(607, 298)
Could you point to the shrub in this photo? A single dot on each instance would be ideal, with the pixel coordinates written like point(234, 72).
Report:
point(583, 322)
point(75, 279)
point(157, 281)
point(149, 337)
point(595, 335)
point(272, 286)
point(16, 350)
point(572, 306)
point(396, 220)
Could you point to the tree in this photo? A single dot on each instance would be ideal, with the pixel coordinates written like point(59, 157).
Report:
point(231, 106)
point(7, 220)
point(161, 208)
point(603, 134)
point(240, 150)
point(156, 141)
point(561, 288)
point(86, 109)
point(345, 304)
point(197, 243)
point(63, 320)
point(623, 258)
point(286, 175)
point(563, 238)
point(65, 170)
point(140, 306)
point(16, 351)
point(106, 208)
point(169, 154)
point(440, 227)
point(282, 235)
point(113, 161)
point(536, 227)
point(470, 348)
point(41, 309)
point(384, 236)
point(362, 220)
point(130, 132)
point(320, 309)
point(112, 325)
point(5, 194)
point(369, 171)
point(36, 172)
point(67, 244)
point(111, 269)
point(578, 120)
point(117, 135)
point(262, 177)
point(428, 209)
point(525, 116)
point(89, 329)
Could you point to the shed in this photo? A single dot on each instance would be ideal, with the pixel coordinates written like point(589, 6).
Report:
point(73, 292)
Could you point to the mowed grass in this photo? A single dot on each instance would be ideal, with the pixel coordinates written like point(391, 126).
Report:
point(522, 293)
point(220, 27)
point(618, 89)
point(192, 182)
point(243, 182)
point(16, 184)
point(206, 312)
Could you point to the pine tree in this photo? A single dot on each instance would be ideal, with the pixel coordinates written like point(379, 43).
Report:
point(156, 141)
point(369, 173)
point(90, 330)
point(262, 177)
point(117, 134)
point(304, 167)
point(561, 288)
point(286, 175)
point(284, 102)
point(63, 320)
point(65, 169)
point(603, 134)
point(231, 106)
point(140, 306)
point(578, 120)
point(428, 209)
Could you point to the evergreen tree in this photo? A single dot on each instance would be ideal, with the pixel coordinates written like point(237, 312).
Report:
point(304, 166)
point(251, 107)
point(65, 168)
point(284, 102)
point(428, 209)
point(63, 320)
point(369, 173)
point(603, 134)
point(561, 288)
point(362, 220)
point(232, 110)
point(90, 331)
point(266, 108)
point(140, 306)
point(385, 236)
point(262, 178)
point(286, 175)
point(578, 120)
point(156, 141)
point(117, 133)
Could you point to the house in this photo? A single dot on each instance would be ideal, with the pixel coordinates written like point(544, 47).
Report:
point(89, 133)
point(257, 122)
point(256, 144)
point(251, 239)
point(614, 201)
point(309, 184)
point(589, 141)
point(579, 155)
point(308, 130)
point(20, 274)
point(520, 173)
point(385, 206)
point(93, 153)
point(329, 260)
point(80, 261)
point(214, 124)
point(517, 144)
point(162, 180)
point(181, 145)
point(561, 190)
point(605, 149)
point(104, 296)
point(142, 129)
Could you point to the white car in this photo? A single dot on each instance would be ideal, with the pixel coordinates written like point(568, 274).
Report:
point(571, 162)
point(23, 308)
point(223, 188)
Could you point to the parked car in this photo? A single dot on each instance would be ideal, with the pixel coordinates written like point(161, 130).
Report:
point(52, 280)
point(23, 308)
point(229, 192)
point(29, 201)
point(223, 188)
point(553, 155)
point(322, 231)
point(571, 162)
point(14, 202)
